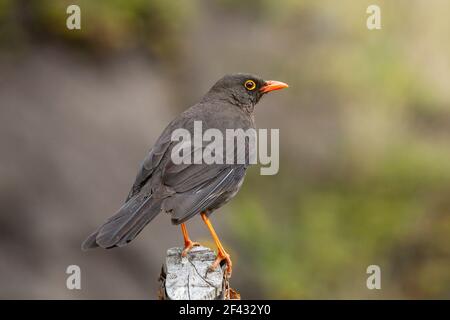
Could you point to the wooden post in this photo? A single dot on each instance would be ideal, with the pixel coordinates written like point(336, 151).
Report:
point(188, 278)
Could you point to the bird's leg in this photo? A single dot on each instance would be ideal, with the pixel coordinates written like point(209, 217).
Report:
point(188, 243)
point(222, 254)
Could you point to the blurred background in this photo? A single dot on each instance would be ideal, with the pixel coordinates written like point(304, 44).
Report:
point(365, 143)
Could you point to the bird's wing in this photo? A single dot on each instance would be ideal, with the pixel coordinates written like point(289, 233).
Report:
point(148, 166)
point(201, 188)
point(155, 156)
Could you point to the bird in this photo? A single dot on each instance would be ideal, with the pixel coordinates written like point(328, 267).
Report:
point(186, 190)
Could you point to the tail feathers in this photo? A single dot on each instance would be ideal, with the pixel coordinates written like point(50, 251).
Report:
point(126, 224)
point(90, 242)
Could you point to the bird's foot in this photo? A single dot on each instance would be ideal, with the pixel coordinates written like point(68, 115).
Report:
point(188, 245)
point(222, 256)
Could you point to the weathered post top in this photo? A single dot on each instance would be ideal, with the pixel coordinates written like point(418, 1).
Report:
point(189, 278)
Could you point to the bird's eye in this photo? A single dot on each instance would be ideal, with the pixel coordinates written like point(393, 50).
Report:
point(250, 85)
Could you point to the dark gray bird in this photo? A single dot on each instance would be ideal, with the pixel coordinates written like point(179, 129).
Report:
point(185, 190)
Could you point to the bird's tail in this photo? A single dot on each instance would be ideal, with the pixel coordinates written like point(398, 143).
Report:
point(126, 224)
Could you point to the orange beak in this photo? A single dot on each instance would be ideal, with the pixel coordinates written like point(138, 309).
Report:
point(272, 85)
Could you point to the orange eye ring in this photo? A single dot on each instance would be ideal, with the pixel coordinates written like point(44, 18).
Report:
point(250, 85)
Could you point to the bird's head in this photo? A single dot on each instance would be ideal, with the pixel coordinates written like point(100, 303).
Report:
point(243, 90)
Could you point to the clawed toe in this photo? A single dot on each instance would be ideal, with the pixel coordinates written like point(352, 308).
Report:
point(222, 257)
point(188, 246)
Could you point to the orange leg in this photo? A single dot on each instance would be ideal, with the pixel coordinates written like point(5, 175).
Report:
point(222, 254)
point(188, 243)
